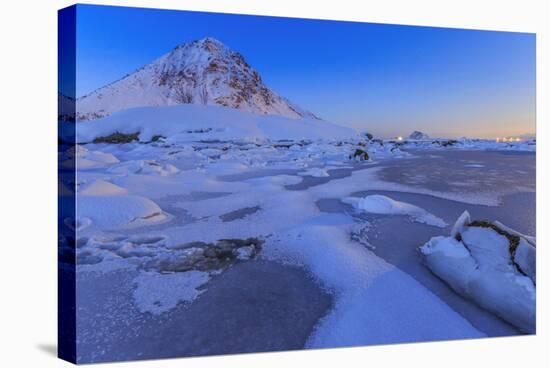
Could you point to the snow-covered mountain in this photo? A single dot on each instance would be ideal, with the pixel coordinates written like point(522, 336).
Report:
point(204, 72)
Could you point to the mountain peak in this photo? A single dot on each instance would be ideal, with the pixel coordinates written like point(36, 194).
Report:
point(202, 72)
point(208, 44)
point(210, 41)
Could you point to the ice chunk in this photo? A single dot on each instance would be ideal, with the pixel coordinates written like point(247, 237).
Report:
point(382, 205)
point(525, 259)
point(480, 265)
point(315, 172)
point(462, 221)
point(488, 247)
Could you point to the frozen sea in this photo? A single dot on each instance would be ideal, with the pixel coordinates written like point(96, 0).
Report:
point(326, 276)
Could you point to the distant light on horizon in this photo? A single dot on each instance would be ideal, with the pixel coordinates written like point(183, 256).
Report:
point(508, 139)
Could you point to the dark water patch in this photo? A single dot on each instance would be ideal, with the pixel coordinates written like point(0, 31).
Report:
point(333, 205)
point(254, 306)
point(448, 171)
point(339, 173)
point(197, 196)
point(239, 214)
point(311, 181)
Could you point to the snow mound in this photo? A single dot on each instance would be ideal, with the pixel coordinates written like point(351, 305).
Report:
point(118, 211)
point(109, 206)
point(200, 123)
point(382, 205)
point(489, 265)
point(87, 159)
point(144, 167)
point(100, 188)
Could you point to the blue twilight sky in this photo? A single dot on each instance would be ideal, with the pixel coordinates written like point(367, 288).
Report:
point(387, 79)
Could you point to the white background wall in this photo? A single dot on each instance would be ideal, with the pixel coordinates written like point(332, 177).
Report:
point(28, 180)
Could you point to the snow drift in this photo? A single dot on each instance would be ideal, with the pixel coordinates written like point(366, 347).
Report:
point(197, 122)
point(84, 158)
point(107, 206)
point(490, 264)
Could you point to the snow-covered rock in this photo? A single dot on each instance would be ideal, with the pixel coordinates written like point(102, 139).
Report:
point(197, 122)
point(489, 265)
point(204, 72)
point(382, 205)
point(367, 135)
point(416, 135)
point(359, 154)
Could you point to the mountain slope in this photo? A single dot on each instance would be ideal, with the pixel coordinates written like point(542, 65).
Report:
point(194, 123)
point(203, 72)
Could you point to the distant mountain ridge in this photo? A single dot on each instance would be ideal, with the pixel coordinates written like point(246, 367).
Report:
point(203, 72)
